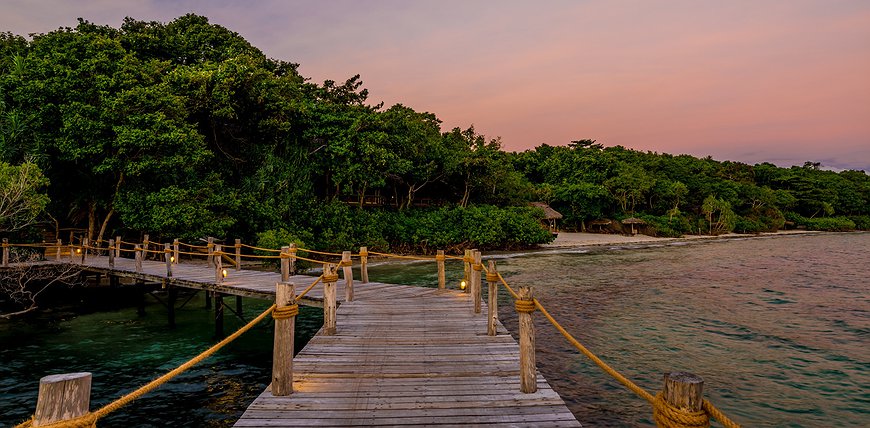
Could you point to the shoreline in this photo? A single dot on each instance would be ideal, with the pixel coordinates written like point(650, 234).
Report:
point(573, 240)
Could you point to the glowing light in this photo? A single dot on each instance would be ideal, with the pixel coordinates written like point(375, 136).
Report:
point(172, 259)
point(78, 250)
point(462, 285)
point(224, 273)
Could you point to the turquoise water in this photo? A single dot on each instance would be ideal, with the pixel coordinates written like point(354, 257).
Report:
point(778, 327)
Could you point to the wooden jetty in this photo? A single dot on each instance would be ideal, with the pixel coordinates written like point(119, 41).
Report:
point(400, 355)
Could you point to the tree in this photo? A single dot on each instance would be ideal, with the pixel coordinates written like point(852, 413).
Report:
point(720, 217)
point(21, 200)
point(23, 282)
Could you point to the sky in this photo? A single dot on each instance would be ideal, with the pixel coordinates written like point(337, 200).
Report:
point(750, 81)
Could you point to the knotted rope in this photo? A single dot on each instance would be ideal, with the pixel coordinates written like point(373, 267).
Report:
point(440, 258)
point(524, 306)
point(328, 278)
point(285, 312)
point(666, 415)
point(491, 277)
point(477, 267)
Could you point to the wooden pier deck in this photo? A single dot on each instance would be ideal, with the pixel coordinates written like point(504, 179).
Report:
point(402, 355)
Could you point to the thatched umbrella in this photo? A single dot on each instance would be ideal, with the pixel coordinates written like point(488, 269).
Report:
point(633, 221)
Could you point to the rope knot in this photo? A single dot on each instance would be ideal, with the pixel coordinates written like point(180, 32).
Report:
point(345, 263)
point(491, 277)
point(666, 415)
point(524, 306)
point(286, 312)
point(363, 253)
point(292, 250)
point(440, 258)
point(330, 278)
point(468, 259)
point(477, 267)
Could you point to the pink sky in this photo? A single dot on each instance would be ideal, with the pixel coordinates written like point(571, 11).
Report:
point(753, 81)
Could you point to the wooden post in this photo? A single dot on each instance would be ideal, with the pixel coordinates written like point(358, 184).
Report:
point(476, 289)
point(282, 351)
point(111, 254)
point(72, 252)
point(683, 390)
point(59, 247)
point(5, 251)
point(528, 378)
point(118, 249)
point(210, 247)
point(292, 268)
point(466, 265)
point(62, 397)
point(138, 255)
point(492, 306)
point(347, 269)
point(285, 264)
point(207, 299)
point(239, 306)
point(364, 265)
point(442, 278)
point(218, 265)
point(175, 253)
point(145, 243)
point(167, 256)
point(218, 314)
point(72, 237)
point(330, 276)
point(238, 254)
point(85, 243)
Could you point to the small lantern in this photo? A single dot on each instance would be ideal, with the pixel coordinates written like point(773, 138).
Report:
point(78, 250)
point(224, 273)
point(463, 284)
point(172, 259)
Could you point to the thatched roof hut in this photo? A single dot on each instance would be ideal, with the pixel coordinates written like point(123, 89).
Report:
point(550, 215)
point(633, 221)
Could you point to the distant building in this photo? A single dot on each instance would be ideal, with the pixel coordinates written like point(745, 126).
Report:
point(550, 216)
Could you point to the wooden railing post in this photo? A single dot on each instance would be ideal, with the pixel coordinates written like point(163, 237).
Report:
point(292, 266)
point(684, 391)
point(442, 278)
point(285, 264)
point(282, 351)
point(218, 265)
point(85, 243)
point(175, 253)
point(5, 251)
point(238, 254)
point(167, 257)
point(347, 271)
point(118, 249)
point(138, 255)
point(466, 266)
point(146, 242)
point(364, 265)
point(62, 397)
point(210, 247)
point(111, 254)
point(476, 288)
point(59, 247)
point(492, 306)
point(330, 277)
point(525, 306)
point(72, 252)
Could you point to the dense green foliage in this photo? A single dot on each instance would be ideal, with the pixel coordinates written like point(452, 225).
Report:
point(184, 130)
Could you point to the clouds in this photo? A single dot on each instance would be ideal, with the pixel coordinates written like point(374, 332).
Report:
point(748, 81)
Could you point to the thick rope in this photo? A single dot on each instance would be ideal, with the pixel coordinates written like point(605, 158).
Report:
point(477, 267)
point(91, 418)
point(363, 253)
point(440, 258)
point(345, 263)
point(666, 415)
point(307, 289)
point(396, 256)
point(491, 277)
point(285, 312)
point(524, 306)
point(327, 279)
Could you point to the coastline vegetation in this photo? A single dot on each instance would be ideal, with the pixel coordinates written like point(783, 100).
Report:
point(185, 129)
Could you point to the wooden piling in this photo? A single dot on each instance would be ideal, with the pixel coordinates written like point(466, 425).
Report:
point(210, 246)
point(238, 246)
point(347, 271)
point(118, 249)
point(285, 263)
point(330, 276)
point(59, 247)
point(85, 244)
point(528, 378)
point(466, 267)
point(442, 277)
point(476, 289)
point(364, 265)
point(62, 397)
point(207, 299)
point(175, 252)
point(492, 306)
point(239, 307)
point(292, 266)
point(683, 391)
point(5, 251)
point(218, 265)
point(282, 351)
point(218, 314)
point(167, 257)
point(138, 255)
point(111, 254)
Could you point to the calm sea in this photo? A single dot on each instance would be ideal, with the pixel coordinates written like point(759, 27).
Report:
point(778, 327)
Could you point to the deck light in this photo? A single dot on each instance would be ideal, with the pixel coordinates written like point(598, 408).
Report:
point(462, 285)
point(172, 259)
point(78, 250)
point(224, 273)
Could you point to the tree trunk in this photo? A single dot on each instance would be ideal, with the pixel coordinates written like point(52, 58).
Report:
point(92, 219)
point(105, 224)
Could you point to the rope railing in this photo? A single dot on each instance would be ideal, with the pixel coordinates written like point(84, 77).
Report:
point(90, 419)
point(664, 413)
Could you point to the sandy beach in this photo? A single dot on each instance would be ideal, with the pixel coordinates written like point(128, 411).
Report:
point(579, 239)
